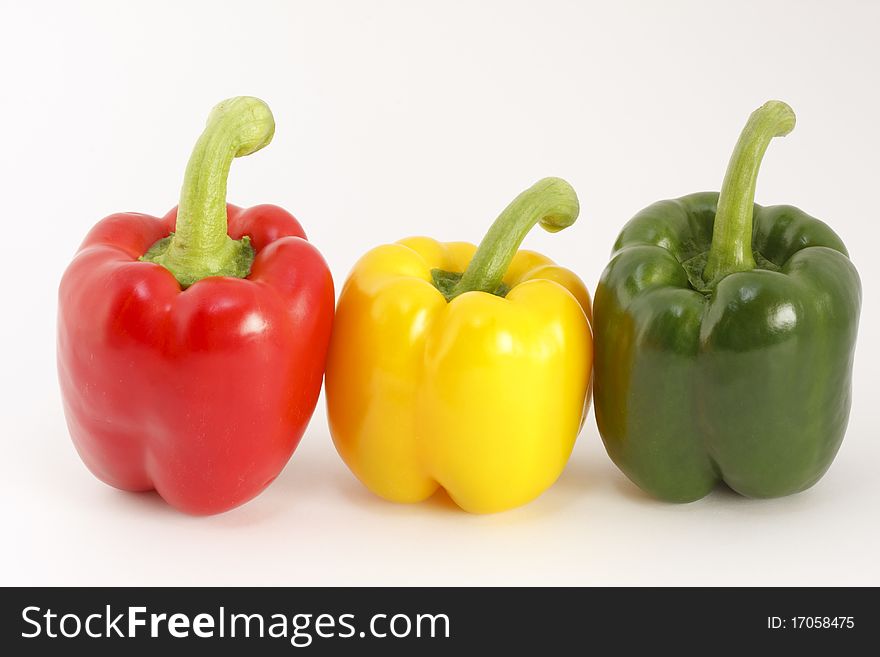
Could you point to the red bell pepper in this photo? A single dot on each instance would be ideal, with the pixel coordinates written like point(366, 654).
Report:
point(191, 348)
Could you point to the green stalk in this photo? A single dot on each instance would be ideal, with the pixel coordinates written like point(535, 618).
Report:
point(550, 202)
point(201, 247)
point(731, 249)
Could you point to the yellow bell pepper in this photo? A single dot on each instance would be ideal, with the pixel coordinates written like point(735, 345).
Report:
point(476, 382)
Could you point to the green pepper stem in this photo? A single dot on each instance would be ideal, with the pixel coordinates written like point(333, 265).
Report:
point(551, 202)
point(200, 246)
point(731, 249)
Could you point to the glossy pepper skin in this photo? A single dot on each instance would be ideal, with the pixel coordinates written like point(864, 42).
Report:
point(199, 391)
point(743, 379)
point(483, 395)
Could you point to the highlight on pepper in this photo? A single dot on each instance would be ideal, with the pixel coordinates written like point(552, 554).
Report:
point(191, 348)
point(725, 334)
point(461, 367)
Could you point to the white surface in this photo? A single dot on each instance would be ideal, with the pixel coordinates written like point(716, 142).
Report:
point(424, 118)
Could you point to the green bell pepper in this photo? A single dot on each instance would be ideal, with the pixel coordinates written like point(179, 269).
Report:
point(724, 335)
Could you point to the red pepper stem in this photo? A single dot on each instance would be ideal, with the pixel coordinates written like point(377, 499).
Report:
point(550, 202)
point(200, 246)
point(731, 249)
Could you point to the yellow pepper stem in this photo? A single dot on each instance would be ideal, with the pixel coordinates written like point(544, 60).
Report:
point(551, 202)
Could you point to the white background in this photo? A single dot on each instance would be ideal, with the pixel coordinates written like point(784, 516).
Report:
point(402, 118)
